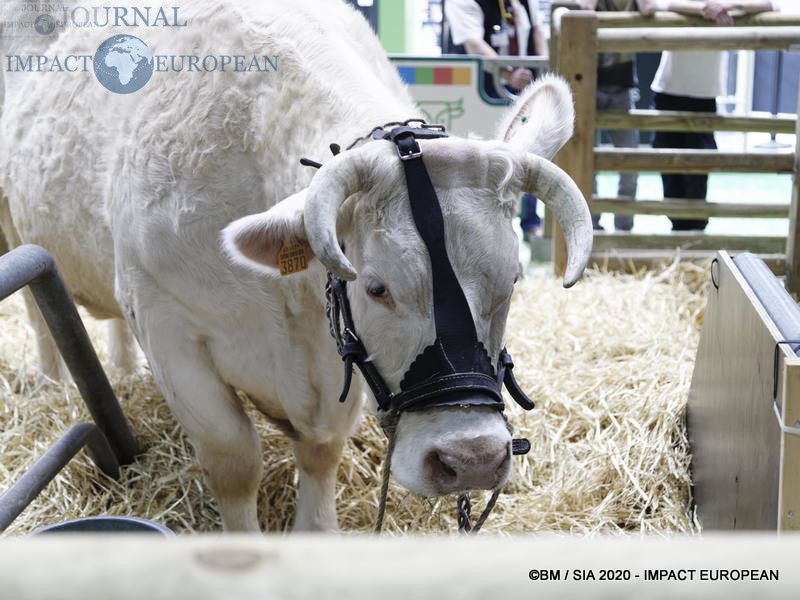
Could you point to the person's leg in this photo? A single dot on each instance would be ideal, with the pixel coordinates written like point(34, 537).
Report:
point(601, 103)
point(530, 222)
point(695, 185)
point(688, 186)
point(622, 99)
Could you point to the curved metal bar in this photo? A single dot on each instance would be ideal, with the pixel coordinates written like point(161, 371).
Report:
point(27, 487)
point(777, 302)
point(33, 266)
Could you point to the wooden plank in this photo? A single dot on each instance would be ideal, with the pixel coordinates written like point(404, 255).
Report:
point(671, 160)
point(793, 241)
point(205, 567)
point(634, 261)
point(671, 19)
point(732, 430)
point(673, 120)
point(789, 506)
point(691, 209)
point(688, 241)
point(578, 65)
point(558, 9)
point(645, 39)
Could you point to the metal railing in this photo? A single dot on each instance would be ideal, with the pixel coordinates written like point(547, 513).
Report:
point(110, 441)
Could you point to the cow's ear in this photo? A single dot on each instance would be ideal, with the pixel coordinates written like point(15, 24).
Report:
point(541, 119)
point(273, 241)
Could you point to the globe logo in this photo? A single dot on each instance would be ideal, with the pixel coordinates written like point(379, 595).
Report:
point(123, 64)
point(44, 24)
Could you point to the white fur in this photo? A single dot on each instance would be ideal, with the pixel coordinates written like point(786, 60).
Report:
point(549, 115)
point(130, 193)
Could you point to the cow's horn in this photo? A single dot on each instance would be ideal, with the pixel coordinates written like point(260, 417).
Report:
point(338, 179)
point(556, 189)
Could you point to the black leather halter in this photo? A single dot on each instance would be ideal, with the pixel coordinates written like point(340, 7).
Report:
point(455, 370)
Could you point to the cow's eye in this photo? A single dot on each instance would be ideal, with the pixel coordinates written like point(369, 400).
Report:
point(377, 290)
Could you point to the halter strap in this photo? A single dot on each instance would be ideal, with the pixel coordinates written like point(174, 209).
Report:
point(456, 369)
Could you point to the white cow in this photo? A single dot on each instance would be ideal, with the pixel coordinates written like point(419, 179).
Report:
point(133, 193)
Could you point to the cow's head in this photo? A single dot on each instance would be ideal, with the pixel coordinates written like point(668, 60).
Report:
point(356, 219)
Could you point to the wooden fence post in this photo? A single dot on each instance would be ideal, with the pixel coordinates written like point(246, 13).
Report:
point(793, 239)
point(577, 63)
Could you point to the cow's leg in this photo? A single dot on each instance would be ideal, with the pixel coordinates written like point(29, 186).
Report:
point(121, 345)
point(50, 362)
point(224, 438)
point(316, 504)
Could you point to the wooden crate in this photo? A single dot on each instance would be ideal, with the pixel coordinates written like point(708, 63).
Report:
point(746, 446)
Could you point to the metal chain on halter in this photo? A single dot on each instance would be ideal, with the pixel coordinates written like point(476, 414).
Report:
point(463, 507)
point(336, 148)
point(405, 123)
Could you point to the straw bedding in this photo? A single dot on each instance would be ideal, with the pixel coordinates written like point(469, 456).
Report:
point(608, 362)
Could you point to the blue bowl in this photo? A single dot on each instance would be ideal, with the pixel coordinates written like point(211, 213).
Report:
point(106, 525)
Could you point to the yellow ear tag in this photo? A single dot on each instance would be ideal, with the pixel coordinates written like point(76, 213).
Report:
point(292, 257)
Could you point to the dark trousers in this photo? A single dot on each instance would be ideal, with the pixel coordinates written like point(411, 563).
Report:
point(685, 185)
point(530, 220)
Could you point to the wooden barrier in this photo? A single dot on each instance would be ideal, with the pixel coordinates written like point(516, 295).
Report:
point(733, 567)
point(745, 464)
point(645, 39)
point(667, 160)
point(672, 120)
point(579, 68)
point(670, 19)
point(577, 38)
point(689, 209)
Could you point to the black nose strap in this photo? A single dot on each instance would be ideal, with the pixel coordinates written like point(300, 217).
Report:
point(456, 361)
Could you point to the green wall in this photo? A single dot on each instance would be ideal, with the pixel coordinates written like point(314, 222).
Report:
point(392, 17)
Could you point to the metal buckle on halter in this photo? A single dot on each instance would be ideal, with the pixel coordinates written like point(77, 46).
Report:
point(410, 155)
point(423, 124)
point(406, 143)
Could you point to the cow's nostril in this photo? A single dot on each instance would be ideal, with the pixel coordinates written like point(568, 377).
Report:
point(441, 469)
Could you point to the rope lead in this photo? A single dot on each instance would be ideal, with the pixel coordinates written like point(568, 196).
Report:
point(389, 425)
point(484, 515)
